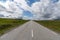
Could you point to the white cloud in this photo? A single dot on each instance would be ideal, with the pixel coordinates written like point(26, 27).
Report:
point(11, 11)
point(42, 10)
point(23, 4)
point(38, 8)
point(45, 10)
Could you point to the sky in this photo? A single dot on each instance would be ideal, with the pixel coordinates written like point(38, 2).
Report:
point(30, 2)
point(30, 9)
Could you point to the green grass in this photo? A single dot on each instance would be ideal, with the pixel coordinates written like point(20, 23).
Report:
point(52, 24)
point(8, 24)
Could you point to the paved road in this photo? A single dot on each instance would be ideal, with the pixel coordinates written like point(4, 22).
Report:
point(31, 31)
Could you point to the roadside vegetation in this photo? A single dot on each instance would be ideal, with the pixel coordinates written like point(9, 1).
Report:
point(9, 24)
point(51, 24)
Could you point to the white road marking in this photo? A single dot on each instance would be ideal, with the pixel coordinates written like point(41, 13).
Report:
point(32, 34)
point(36, 31)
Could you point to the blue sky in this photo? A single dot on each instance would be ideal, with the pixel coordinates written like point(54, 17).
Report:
point(27, 7)
point(54, 1)
point(6, 0)
point(27, 13)
point(3, 0)
point(30, 2)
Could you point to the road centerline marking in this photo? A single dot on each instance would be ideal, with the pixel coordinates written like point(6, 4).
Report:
point(32, 33)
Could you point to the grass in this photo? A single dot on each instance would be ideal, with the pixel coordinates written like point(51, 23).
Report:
point(52, 24)
point(8, 24)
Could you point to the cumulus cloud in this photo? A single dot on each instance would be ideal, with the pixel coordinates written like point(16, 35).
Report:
point(10, 9)
point(41, 10)
point(46, 10)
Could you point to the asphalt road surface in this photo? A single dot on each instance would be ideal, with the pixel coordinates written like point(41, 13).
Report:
point(31, 31)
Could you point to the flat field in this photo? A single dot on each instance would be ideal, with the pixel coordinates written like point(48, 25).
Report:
point(51, 24)
point(9, 24)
